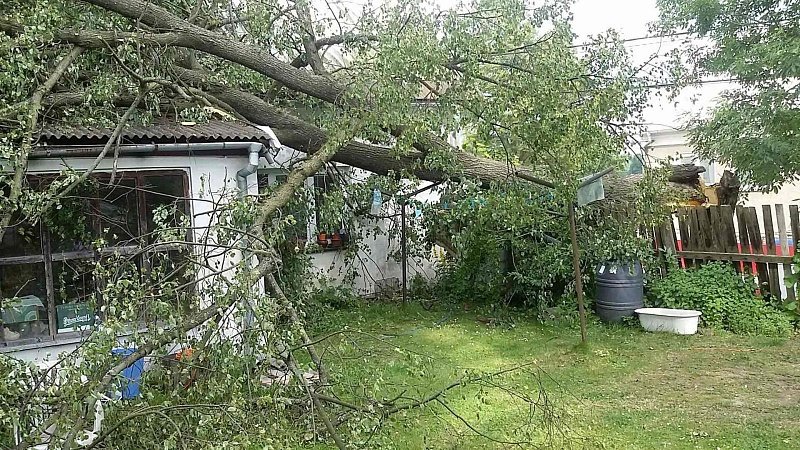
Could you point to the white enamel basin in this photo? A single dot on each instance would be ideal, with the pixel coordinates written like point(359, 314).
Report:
point(678, 321)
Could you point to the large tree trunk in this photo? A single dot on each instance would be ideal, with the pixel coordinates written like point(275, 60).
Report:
point(291, 130)
point(301, 135)
point(686, 174)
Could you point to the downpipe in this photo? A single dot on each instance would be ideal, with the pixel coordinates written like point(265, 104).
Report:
point(256, 150)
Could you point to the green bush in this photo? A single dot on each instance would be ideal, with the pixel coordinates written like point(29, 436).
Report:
point(726, 299)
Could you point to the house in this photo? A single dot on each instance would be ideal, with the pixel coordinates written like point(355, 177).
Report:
point(47, 270)
point(663, 144)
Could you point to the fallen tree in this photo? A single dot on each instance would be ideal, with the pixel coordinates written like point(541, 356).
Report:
point(161, 30)
point(526, 103)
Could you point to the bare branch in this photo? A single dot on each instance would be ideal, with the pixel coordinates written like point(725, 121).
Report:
point(309, 44)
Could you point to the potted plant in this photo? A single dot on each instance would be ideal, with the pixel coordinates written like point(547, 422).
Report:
point(336, 240)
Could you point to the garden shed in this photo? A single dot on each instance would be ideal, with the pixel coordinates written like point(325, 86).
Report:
point(46, 268)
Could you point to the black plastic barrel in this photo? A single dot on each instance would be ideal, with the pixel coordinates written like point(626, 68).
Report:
point(619, 290)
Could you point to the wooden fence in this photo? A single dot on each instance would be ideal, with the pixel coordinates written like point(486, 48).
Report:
point(724, 233)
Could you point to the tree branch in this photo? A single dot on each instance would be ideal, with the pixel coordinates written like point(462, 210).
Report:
point(21, 161)
point(11, 29)
point(104, 39)
point(309, 39)
point(250, 56)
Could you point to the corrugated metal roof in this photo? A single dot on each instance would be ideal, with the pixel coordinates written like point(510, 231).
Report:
point(215, 131)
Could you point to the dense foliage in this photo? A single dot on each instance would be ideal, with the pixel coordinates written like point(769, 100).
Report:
point(727, 300)
point(755, 44)
point(511, 244)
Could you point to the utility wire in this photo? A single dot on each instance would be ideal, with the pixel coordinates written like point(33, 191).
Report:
point(634, 39)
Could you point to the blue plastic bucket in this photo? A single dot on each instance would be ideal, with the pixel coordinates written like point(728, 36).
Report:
point(132, 375)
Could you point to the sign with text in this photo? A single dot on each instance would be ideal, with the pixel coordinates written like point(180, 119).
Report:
point(74, 316)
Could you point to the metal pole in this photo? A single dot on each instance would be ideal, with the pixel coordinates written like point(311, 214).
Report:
point(403, 254)
point(576, 267)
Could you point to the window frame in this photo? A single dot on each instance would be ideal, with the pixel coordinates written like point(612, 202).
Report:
point(48, 256)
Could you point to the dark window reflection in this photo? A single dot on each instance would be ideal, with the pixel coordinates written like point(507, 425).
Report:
point(165, 193)
point(118, 210)
point(23, 302)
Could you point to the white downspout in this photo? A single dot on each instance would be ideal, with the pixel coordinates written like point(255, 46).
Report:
point(254, 155)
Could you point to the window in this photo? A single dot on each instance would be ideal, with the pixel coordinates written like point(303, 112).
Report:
point(635, 165)
point(309, 212)
point(297, 209)
point(47, 283)
point(323, 183)
point(331, 233)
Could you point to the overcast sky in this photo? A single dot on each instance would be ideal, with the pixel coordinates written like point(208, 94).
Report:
point(631, 18)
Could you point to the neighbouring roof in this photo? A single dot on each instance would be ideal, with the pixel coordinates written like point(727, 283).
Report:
point(214, 131)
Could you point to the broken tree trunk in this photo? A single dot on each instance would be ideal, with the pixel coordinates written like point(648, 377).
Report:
point(728, 189)
point(686, 174)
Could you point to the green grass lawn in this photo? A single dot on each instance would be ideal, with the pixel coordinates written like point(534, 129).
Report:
point(627, 389)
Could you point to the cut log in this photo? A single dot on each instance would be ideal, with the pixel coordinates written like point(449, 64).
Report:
point(686, 174)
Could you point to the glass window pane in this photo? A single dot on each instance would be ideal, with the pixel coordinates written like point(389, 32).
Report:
point(171, 271)
point(117, 208)
point(21, 239)
point(71, 223)
point(73, 282)
point(263, 181)
point(298, 208)
point(321, 185)
point(165, 197)
point(23, 300)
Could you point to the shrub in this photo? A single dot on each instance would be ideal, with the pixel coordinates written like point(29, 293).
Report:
point(726, 299)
